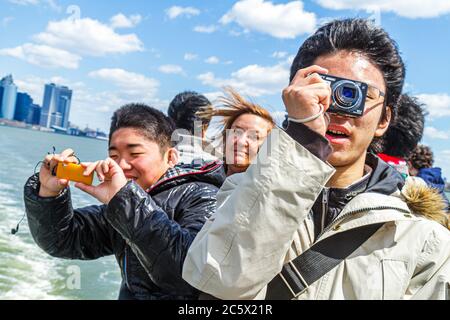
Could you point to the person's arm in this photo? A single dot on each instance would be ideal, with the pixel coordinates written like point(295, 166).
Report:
point(160, 243)
point(244, 245)
point(64, 232)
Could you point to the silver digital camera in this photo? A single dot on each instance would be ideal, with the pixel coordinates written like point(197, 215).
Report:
point(348, 97)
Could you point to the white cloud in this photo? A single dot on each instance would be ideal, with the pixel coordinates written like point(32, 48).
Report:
point(286, 21)
point(212, 60)
point(433, 133)
point(405, 8)
point(279, 54)
point(25, 2)
point(177, 11)
point(88, 37)
point(6, 21)
point(206, 29)
point(43, 56)
point(51, 3)
point(134, 85)
point(253, 80)
point(213, 96)
point(446, 156)
point(438, 105)
point(122, 21)
point(171, 69)
point(156, 53)
point(190, 56)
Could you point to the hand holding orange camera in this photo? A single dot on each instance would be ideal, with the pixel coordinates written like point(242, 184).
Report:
point(73, 172)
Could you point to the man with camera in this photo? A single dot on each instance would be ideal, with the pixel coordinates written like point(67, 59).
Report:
point(318, 217)
point(151, 209)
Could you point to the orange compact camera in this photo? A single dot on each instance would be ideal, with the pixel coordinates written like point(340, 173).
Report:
point(73, 172)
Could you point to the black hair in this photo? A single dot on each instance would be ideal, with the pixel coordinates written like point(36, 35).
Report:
point(150, 122)
point(406, 131)
point(422, 157)
point(364, 37)
point(184, 107)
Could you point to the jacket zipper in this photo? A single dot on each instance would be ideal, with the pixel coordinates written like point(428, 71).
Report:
point(125, 268)
point(324, 206)
point(357, 211)
point(353, 194)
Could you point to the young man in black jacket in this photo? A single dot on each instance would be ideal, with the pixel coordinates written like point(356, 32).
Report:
point(151, 212)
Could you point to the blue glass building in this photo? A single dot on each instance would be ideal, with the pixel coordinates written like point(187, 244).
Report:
point(56, 106)
point(34, 114)
point(23, 105)
point(9, 96)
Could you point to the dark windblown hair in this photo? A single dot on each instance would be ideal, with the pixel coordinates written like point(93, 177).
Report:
point(406, 131)
point(422, 157)
point(362, 36)
point(184, 107)
point(148, 121)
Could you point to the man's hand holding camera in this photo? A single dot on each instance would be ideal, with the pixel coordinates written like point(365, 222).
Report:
point(51, 186)
point(307, 95)
point(111, 177)
point(108, 171)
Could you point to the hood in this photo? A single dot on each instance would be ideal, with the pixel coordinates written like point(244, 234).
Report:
point(384, 179)
point(425, 201)
point(192, 148)
point(420, 198)
point(207, 172)
point(433, 177)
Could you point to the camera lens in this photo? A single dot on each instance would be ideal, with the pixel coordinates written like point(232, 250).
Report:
point(346, 94)
point(349, 92)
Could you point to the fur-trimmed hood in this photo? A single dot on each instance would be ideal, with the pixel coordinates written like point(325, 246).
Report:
point(421, 199)
point(425, 201)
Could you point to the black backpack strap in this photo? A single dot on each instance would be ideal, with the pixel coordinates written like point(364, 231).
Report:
point(297, 275)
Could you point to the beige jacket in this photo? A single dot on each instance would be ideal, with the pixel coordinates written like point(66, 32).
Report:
point(263, 221)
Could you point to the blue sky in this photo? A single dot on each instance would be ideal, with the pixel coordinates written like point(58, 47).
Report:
point(111, 52)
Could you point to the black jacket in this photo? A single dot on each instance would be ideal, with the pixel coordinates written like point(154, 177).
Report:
point(148, 232)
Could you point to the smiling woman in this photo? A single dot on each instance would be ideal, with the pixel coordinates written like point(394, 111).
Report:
point(245, 128)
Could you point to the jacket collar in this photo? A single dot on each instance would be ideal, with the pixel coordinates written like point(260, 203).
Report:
point(384, 179)
point(208, 172)
point(380, 178)
point(370, 208)
point(373, 199)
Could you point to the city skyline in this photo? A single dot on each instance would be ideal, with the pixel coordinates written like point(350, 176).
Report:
point(20, 106)
point(111, 53)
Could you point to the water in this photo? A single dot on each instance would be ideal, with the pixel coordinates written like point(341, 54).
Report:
point(26, 272)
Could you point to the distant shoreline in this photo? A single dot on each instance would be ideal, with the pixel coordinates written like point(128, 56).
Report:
point(26, 126)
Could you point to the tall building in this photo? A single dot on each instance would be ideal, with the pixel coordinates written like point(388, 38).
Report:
point(23, 105)
point(9, 96)
point(56, 106)
point(34, 114)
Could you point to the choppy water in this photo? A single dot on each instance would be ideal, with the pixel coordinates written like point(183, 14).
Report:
point(26, 272)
